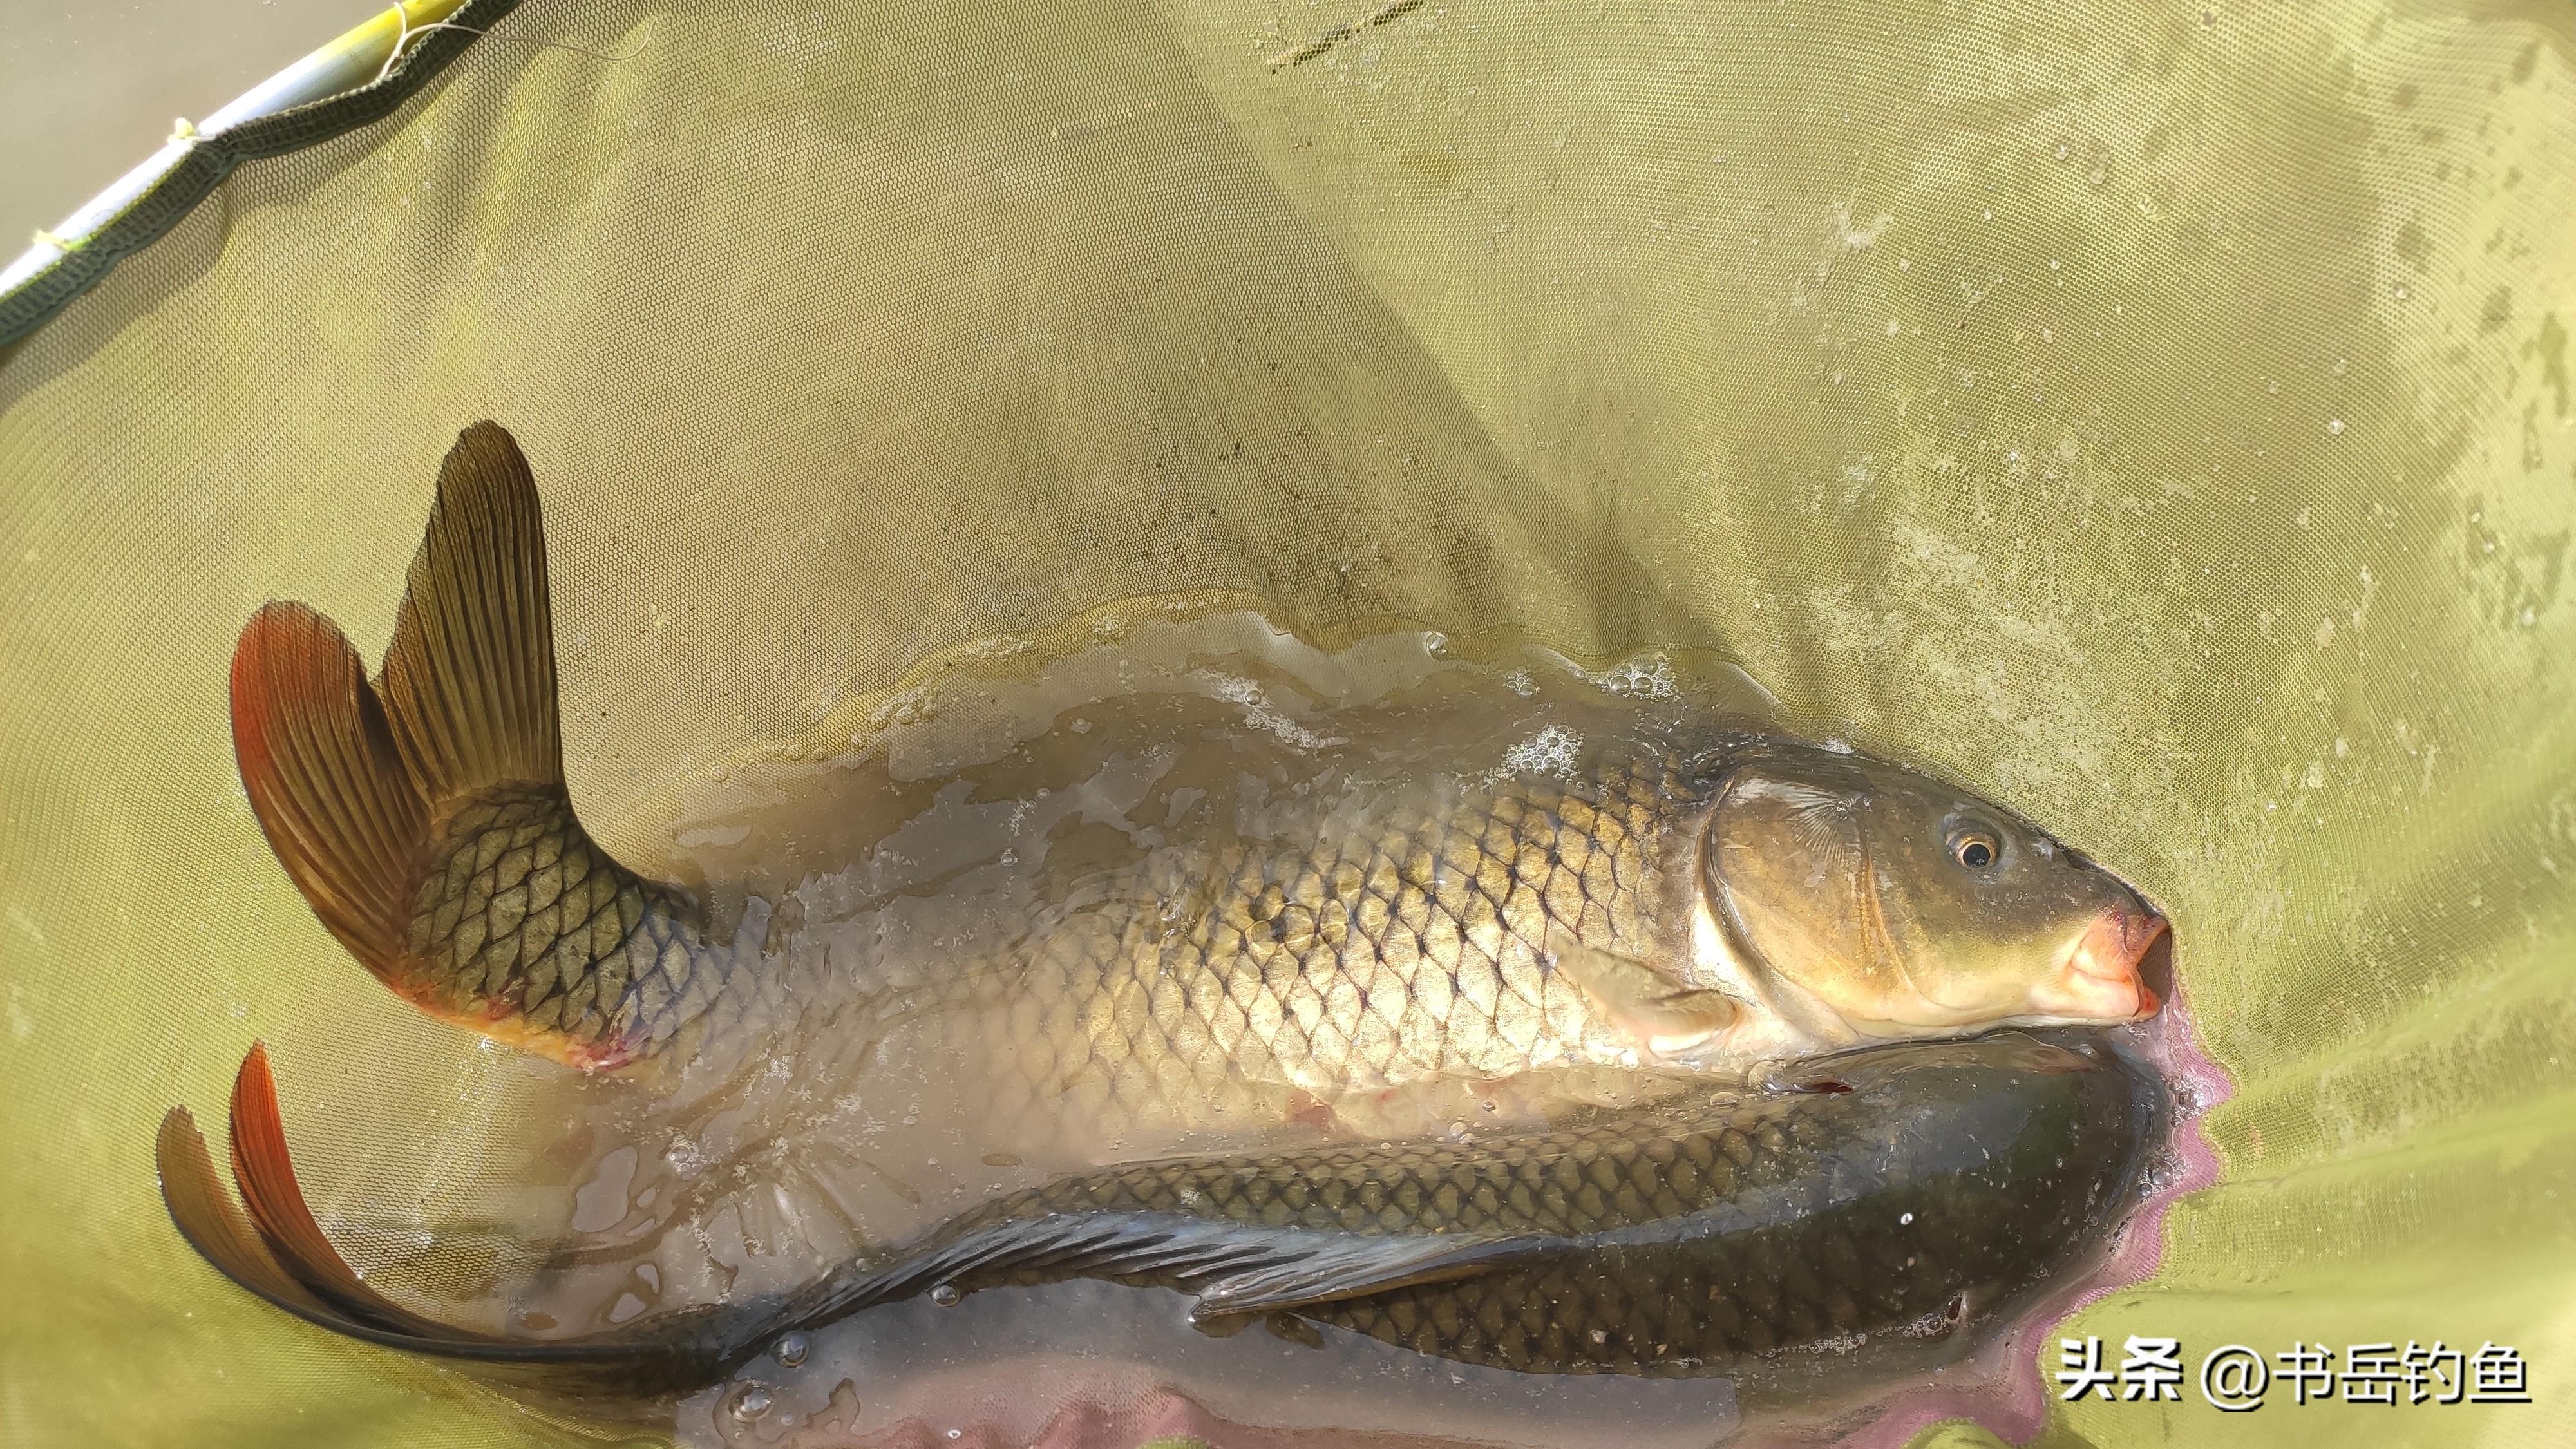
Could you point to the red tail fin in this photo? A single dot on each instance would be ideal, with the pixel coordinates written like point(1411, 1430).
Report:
point(350, 779)
point(275, 1248)
point(424, 816)
point(270, 1244)
point(469, 683)
point(326, 780)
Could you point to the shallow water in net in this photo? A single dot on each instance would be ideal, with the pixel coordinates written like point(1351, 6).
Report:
point(930, 833)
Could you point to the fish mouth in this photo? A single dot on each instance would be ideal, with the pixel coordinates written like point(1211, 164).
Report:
point(2114, 970)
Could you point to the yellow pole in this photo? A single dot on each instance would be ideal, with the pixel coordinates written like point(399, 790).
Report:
point(355, 59)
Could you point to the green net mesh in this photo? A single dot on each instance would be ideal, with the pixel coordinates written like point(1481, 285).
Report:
point(2157, 418)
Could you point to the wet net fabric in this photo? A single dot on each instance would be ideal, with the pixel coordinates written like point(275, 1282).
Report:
point(2161, 421)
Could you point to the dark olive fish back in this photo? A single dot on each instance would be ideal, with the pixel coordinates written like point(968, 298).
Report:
point(1917, 1189)
point(1915, 1192)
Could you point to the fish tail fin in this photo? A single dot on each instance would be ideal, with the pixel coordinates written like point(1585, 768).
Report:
point(326, 779)
point(469, 684)
point(269, 1242)
point(424, 816)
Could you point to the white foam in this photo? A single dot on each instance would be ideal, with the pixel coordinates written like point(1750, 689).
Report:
point(1259, 712)
point(1552, 751)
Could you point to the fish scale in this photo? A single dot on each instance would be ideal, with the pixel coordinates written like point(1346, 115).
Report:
point(1919, 1189)
point(1408, 934)
point(522, 908)
point(1493, 911)
point(1408, 947)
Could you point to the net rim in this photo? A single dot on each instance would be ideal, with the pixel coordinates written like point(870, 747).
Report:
point(356, 80)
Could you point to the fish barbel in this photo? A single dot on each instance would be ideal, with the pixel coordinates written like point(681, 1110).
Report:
point(1674, 895)
point(1892, 1195)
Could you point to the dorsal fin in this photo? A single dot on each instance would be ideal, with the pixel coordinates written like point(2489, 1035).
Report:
point(326, 780)
point(1232, 1267)
point(469, 683)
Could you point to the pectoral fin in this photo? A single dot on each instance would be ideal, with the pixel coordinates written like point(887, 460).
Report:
point(1663, 1015)
point(1356, 1267)
point(1230, 1267)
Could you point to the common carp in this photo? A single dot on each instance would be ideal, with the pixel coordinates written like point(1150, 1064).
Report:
point(1912, 1192)
point(1668, 897)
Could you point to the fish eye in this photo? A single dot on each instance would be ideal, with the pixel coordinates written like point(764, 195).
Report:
point(1974, 848)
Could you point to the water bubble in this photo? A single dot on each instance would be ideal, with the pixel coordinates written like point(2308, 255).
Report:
point(749, 1404)
point(1486, 1105)
point(956, 1433)
point(791, 1349)
point(2334, 426)
point(1905, 1217)
point(946, 1295)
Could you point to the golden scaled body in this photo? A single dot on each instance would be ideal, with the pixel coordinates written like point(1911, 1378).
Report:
point(1381, 957)
point(1183, 916)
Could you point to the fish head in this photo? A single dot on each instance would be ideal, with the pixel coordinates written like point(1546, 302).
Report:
point(1908, 908)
